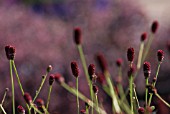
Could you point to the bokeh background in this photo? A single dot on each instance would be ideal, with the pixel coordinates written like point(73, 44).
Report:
point(42, 32)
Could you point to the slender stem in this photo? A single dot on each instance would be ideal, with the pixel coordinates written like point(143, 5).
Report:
point(137, 101)
point(87, 110)
point(115, 105)
point(157, 72)
point(82, 97)
point(83, 60)
point(49, 94)
point(42, 83)
point(91, 94)
point(13, 92)
point(46, 112)
point(140, 55)
point(3, 110)
point(146, 91)
point(77, 82)
point(19, 82)
point(148, 45)
point(97, 104)
point(167, 104)
point(2, 102)
point(131, 92)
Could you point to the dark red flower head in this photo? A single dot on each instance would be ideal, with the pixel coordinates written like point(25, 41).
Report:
point(95, 89)
point(101, 78)
point(102, 62)
point(77, 35)
point(131, 71)
point(143, 36)
point(40, 102)
point(51, 79)
point(10, 52)
point(141, 110)
point(49, 68)
point(160, 55)
point(130, 54)
point(91, 71)
point(82, 111)
point(146, 69)
point(28, 98)
point(75, 69)
point(59, 78)
point(20, 110)
point(154, 26)
point(119, 62)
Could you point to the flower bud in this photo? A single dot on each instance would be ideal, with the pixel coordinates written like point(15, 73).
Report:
point(160, 55)
point(28, 98)
point(51, 79)
point(154, 26)
point(49, 68)
point(77, 35)
point(59, 78)
point(143, 36)
point(146, 69)
point(10, 52)
point(20, 110)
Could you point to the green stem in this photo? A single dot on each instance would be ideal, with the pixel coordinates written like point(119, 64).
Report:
point(91, 94)
point(137, 101)
point(140, 55)
point(3, 110)
point(49, 94)
point(83, 60)
point(19, 82)
point(87, 110)
point(115, 105)
point(148, 45)
point(167, 104)
point(97, 104)
point(42, 83)
point(2, 102)
point(82, 97)
point(131, 92)
point(146, 91)
point(151, 95)
point(77, 95)
point(12, 83)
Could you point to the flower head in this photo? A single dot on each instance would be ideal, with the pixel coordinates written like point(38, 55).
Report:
point(160, 55)
point(143, 36)
point(141, 110)
point(130, 54)
point(119, 62)
point(146, 69)
point(102, 62)
point(154, 26)
point(91, 71)
point(20, 110)
point(59, 78)
point(77, 35)
point(51, 79)
point(75, 69)
point(28, 98)
point(40, 102)
point(49, 68)
point(10, 52)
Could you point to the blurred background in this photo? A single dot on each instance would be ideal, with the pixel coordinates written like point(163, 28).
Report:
point(42, 32)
